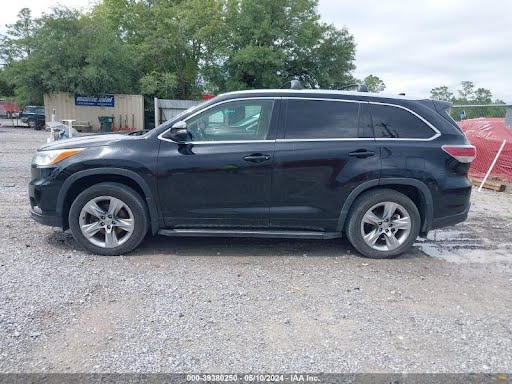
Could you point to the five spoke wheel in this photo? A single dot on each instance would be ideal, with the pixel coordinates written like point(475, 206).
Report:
point(106, 221)
point(386, 226)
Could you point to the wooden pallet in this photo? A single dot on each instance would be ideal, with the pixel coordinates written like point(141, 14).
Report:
point(489, 184)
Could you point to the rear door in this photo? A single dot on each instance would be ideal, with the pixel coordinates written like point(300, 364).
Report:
point(324, 150)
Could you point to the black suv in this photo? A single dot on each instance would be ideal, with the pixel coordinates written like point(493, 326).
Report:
point(269, 163)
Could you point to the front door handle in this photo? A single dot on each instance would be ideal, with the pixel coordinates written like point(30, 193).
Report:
point(361, 153)
point(257, 158)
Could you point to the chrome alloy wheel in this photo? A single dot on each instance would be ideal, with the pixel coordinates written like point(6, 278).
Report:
point(386, 226)
point(106, 222)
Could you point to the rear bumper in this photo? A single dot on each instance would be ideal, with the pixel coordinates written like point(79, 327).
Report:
point(450, 220)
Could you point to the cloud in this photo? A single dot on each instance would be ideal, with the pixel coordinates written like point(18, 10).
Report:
point(418, 45)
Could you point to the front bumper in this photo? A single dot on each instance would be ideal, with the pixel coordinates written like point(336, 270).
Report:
point(43, 191)
point(45, 217)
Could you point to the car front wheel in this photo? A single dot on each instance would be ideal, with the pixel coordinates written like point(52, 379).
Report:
point(32, 123)
point(108, 219)
point(383, 224)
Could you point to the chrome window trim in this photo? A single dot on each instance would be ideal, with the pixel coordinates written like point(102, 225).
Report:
point(334, 139)
point(160, 136)
point(437, 133)
point(223, 142)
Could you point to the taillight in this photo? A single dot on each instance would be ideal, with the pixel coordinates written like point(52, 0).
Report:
point(462, 153)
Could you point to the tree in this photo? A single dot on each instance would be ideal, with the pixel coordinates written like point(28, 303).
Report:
point(270, 42)
point(482, 96)
point(175, 48)
point(441, 93)
point(69, 52)
point(470, 96)
point(467, 91)
point(374, 83)
point(18, 42)
point(6, 89)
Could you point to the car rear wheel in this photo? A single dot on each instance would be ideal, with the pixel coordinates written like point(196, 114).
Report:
point(108, 219)
point(383, 224)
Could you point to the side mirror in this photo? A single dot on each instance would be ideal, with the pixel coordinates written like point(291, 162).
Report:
point(178, 132)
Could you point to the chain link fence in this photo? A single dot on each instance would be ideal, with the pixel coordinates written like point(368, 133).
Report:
point(489, 129)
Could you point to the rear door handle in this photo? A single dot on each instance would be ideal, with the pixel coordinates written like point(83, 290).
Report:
point(361, 153)
point(257, 158)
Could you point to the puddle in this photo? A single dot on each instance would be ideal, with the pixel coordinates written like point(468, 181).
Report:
point(464, 247)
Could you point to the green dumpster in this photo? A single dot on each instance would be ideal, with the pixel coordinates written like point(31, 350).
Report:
point(106, 123)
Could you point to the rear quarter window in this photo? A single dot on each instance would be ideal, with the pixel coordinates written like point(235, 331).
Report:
point(397, 123)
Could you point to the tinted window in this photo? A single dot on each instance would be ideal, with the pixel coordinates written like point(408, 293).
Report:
point(320, 119)
point(393, 122)
point(232, 121)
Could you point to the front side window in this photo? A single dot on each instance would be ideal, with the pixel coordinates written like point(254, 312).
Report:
point(244, 120)
point(321, 119)
point(393, 122)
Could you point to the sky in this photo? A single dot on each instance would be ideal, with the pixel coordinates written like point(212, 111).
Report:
point(413, 46)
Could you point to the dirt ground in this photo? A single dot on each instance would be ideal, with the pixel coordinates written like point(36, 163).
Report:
point(250, 305)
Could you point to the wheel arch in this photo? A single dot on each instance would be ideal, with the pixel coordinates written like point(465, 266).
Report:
point(416, 190)
point(79, 181)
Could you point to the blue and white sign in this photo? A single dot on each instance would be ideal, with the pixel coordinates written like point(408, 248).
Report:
point(95, 101)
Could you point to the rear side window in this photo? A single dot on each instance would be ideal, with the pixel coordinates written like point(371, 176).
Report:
point(321, 119)
point(397, 123)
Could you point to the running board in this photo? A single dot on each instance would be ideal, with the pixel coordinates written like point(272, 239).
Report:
point(249, 233)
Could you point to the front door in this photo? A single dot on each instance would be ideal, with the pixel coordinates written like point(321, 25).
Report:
point(221, 177)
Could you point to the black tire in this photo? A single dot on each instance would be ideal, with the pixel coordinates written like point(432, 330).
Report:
point(32, 124)
point(129, 197)
point(364, 203)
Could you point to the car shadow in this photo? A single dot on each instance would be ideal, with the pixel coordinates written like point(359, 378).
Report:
point(232, 246)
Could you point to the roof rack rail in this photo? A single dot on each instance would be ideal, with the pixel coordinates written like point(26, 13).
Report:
point(347, 86)
point(359, 87)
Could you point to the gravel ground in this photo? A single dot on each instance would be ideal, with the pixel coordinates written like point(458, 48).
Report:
point(250, 305)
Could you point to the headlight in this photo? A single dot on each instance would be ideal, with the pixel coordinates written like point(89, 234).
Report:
point(45, 158)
